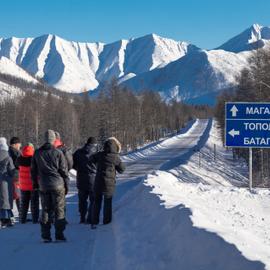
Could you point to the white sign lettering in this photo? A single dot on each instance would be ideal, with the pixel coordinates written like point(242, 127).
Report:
point(257, 110)
point(257, 126)
point(256, 141)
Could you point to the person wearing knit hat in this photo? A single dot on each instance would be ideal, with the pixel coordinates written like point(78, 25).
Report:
point(49, 174)
point(14, 140)
point(50, 136)
point(92, 140)
point(6, 174)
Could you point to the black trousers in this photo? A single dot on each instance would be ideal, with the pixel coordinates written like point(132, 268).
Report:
point(26, 198)
point(53, 211)
point(86, 201)
point(107, 209)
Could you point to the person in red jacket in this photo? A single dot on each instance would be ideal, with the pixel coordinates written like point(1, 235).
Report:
point(25, 183)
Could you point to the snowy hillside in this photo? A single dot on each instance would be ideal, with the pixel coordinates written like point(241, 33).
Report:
point(199, 76)
point(195, 78)
point(7, 89)
point(175, 69)
point(10, 68)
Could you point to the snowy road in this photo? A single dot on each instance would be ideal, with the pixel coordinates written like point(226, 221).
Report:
point(153, 157)
point(147, 232)
point(22, 242)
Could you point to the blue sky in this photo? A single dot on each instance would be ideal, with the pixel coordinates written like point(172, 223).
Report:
point(205, 23)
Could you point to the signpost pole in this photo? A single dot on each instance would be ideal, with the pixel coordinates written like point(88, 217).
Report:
point(250, 168)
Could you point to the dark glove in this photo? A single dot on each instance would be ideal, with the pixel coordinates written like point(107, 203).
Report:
point(66, 185)
point(66, 190)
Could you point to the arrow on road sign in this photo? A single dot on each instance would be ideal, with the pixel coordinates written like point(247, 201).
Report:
point(234, 132)
point(234, 110)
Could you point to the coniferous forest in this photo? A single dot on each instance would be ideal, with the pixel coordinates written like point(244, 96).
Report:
point(115, 111)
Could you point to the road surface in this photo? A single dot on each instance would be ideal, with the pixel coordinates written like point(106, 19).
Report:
point(21, 247)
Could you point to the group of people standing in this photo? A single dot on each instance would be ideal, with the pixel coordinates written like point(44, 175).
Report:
point(29, 176)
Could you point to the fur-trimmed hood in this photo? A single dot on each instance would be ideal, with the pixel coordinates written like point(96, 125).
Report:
point(112, 145)
point(3, 144)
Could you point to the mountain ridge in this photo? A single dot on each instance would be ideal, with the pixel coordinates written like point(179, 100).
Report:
point(77, 67)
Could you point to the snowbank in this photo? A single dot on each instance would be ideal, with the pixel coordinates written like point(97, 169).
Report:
point(234, 214)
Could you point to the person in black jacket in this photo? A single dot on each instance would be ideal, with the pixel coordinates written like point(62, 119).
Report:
point(108, 162)
point(50, 175)
point(86, 173)
point(14, 152)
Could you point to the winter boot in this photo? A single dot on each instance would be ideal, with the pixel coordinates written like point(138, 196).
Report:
point(3, 223)
point(59, 230)
point(60, 237)
point(9, 223)
point(82, 220)
point(46, 232)
point(47, 240)
point(93, 226)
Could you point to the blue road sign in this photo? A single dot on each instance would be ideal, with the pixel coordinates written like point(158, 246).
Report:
point(247, 124)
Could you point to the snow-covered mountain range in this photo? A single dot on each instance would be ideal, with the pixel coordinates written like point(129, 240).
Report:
point(175, 69)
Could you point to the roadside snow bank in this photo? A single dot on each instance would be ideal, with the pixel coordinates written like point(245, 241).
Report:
point(238, 216)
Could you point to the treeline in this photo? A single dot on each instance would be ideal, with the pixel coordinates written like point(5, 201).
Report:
point(26, 85)
point(116, 111)
point(253, 86)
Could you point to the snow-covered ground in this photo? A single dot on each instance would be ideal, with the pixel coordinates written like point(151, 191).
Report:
point(172, 210)
point(216, 200)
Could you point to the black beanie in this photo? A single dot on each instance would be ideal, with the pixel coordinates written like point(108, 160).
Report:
point(14, 140)
point(91, 140)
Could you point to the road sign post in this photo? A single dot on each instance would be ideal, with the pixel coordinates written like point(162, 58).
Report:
point(247, 125)
point(250, 168)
